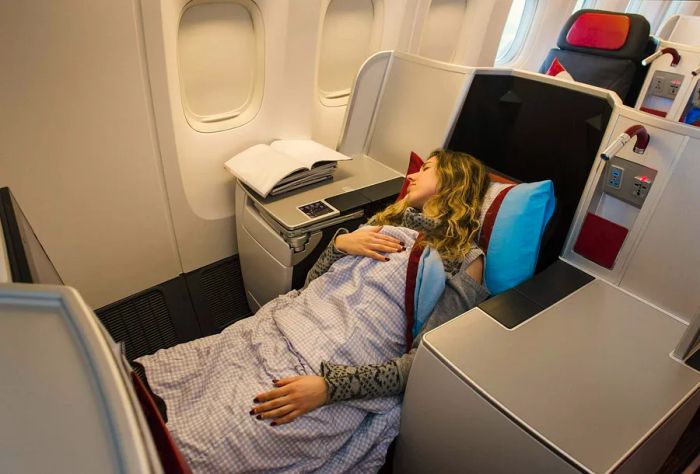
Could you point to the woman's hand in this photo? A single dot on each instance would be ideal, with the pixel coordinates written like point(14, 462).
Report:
point(293, 397)
point(368, 242)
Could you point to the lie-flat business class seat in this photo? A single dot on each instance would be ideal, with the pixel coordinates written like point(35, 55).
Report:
point(604, 49)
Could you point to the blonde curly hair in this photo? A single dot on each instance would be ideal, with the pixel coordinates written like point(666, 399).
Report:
point(462, 184)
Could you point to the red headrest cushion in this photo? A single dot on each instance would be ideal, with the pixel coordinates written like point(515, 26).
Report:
point(599, 30)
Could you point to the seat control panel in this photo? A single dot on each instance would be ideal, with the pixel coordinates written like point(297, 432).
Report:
point(628, 181)
point(665, 84)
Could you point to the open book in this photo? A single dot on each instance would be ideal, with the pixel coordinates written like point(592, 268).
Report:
point(284, 165)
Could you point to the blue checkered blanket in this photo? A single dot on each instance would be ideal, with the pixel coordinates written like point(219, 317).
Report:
point(353, 314)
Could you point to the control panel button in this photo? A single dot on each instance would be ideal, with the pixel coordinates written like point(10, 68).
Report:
point(615, 176)
point(316, 209)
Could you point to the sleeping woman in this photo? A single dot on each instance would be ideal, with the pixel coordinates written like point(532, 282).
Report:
point(334, 357)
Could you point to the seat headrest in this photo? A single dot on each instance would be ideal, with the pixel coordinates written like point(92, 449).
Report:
point(603, 33)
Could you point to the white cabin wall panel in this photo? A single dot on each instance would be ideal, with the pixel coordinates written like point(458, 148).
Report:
point(398, 20)
point(78, 145)
point(413, 25)
point(413, 10)
point(408, 121)
point(441, 29)
point(201, 192)
point(664, 267)
point(481, 32)
point(473, 39)
point(611, 5)
point(387, 33)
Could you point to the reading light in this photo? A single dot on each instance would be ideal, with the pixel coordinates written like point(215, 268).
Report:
point(672, 51)
point(634, 131)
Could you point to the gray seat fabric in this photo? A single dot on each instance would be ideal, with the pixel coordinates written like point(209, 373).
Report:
point(609, 73)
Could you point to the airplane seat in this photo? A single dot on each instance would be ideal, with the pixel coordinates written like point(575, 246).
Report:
point(604, 49)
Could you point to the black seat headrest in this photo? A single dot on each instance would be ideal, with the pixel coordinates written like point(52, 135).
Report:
point(604, 33)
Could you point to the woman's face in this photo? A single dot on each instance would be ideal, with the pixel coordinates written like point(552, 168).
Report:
point(423, 184)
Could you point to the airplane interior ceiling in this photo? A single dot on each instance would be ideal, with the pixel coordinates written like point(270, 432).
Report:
point(106, 141)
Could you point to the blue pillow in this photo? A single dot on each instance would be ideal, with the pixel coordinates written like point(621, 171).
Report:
point(515, 217)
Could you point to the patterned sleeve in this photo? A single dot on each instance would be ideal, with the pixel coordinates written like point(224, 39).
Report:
point(329, 256)
point(367, 381)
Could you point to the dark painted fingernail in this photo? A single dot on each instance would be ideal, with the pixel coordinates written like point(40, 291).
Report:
point(274, 423)
point(275, 380)
point(386, 259)
point(403, 248)
point(255, 400)
point(259, 417)
point(402, 244)
point(252, 412)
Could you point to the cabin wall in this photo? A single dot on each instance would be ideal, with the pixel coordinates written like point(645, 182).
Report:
point(200, 190)
point(79, 148)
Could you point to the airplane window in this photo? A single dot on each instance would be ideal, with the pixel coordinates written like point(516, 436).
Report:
point(221, 64)
point(441, 29)
point(584, 5)
point(516, 29)
point(348, 39)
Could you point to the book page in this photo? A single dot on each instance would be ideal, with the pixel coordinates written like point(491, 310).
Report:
point(261, 167)
point(308, 152)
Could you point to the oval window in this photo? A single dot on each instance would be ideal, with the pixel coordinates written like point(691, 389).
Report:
point(221, 63)
point(347, 40)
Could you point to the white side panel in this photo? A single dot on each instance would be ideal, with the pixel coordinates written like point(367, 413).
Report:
point(690, 60)
point(664, 268)
point(449, 427)
point(661, 155)
point(200, 190)
point(78, 144)
point(416, 109)
point(686, 29)
point(659, 259)
point(265, 257)
point(365, 94)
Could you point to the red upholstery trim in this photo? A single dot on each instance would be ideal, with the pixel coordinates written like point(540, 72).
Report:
point(411, 274)
point(599, 30)
point(555, 68)
point(653, 111)
point(170, 457)
point(600, 240)
point(414, 165)
point(490, 219)
point(497, 178)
